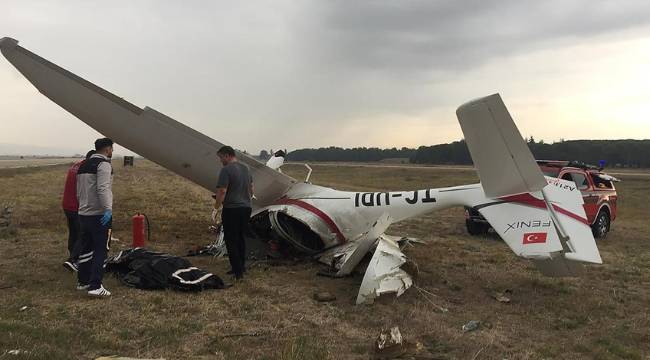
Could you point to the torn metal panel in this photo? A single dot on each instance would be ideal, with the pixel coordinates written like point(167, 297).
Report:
point(383, 274)
point(346, 257)
point(403, 240)
point(338, 255)
point(389, 338)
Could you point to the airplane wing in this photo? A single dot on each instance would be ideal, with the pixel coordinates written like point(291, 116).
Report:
point(144, 131)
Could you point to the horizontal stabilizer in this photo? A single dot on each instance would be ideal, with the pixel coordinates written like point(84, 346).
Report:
point(528, 230)
point(566, 205)
point(548, 226)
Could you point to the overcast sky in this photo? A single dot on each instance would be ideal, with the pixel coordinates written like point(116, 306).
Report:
point(293, 74)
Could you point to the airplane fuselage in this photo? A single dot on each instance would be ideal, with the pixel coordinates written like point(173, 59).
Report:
point(338, 217)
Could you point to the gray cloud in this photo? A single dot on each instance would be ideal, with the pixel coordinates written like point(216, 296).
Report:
point(424, 36)
point(293, 73)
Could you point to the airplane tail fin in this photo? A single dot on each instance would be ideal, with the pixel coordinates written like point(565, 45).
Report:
point(504, 163)
point(539, 218)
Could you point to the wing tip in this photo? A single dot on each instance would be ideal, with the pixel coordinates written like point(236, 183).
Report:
point(8, 43)
point(473, 102)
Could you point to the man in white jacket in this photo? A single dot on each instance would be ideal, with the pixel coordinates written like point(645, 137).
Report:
point(94, 191)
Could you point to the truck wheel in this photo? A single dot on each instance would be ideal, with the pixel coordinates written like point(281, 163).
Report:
point(476, 228)
point(600, 228)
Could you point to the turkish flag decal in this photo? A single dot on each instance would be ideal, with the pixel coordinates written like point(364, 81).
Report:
point(534, 238)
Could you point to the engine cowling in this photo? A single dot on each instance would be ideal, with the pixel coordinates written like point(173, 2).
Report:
point(296, 232)
point(300, 227)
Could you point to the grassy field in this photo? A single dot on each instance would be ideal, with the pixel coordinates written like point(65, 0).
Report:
point(271, 315)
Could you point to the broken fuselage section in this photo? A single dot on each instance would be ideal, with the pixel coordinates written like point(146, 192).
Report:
point(340, 227)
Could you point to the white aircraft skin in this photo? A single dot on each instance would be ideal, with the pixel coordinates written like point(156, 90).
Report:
point(539, 218)
point(354, 212)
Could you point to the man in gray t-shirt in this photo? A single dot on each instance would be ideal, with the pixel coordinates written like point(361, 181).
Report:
point(234, 192)
point(236, 179)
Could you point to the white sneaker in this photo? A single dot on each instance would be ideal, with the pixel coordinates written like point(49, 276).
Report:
point(81, 286)
point(99, 292)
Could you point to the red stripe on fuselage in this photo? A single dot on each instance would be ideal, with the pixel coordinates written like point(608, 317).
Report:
point(314, 210)
point(528, 199)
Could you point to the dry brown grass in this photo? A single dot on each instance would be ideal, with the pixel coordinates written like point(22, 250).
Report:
point(30, 162)
point(601, 315)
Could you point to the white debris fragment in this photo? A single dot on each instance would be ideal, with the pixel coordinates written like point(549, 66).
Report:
point(18, 352)
point(383, 274)
point(471, 325)
point(390, 338)
point(346, 257)
point(23, 308)
point(502, 297)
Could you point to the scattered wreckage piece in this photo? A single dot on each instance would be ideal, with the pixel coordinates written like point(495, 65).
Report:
point(502, 296)
point(388, 338)
point(391, 345)
point(17, 352)
point(346, 257)
point(471, 326)
point(383, 274)
point(216, 248)
point(145, 269)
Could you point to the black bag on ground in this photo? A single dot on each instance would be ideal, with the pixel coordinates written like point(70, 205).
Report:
point(144, 269)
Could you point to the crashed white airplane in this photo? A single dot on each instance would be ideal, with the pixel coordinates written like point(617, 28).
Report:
point(339, 227)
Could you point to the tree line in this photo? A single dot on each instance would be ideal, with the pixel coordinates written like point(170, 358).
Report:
point(616, 153)
point(359, 154)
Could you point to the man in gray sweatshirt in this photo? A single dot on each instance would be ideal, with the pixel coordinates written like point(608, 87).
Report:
point(95, 195)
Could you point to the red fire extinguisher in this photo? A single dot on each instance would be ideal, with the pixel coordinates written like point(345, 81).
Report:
point(138, 229)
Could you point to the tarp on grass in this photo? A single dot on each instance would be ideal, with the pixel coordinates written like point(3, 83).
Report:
point(145, 269)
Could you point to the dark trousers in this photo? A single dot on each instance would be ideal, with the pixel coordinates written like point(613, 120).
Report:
point(235, 227)
point(74, 235)
point(95, 239)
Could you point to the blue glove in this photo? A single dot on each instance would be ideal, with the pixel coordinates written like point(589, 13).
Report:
point(108, 214)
